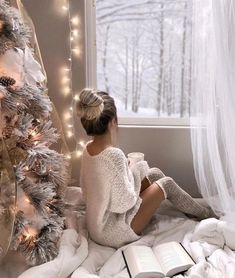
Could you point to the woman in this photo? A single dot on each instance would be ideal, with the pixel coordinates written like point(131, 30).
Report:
point(120, 200)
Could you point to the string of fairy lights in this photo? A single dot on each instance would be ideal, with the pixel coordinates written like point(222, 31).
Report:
point(67, 77)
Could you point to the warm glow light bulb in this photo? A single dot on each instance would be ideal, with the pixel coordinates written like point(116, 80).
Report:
point(65, 8)
point(65, 80)
point(76, 51)
point(66, 90)
point(78, 153)
point(82, 143)
point(30, 232)
point(75, 20)
point(76, 97)
point(67, 115)
point(33, 132)
point(75, 33)
point(68, 156)
point(70, 134)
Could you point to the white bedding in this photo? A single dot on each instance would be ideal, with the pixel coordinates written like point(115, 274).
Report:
point(210, 243)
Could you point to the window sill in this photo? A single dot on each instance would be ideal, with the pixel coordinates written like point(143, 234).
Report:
point(153, 122)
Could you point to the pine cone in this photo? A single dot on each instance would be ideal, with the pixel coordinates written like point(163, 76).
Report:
point(7, 81)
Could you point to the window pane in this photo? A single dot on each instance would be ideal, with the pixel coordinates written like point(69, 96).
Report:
point(144, 56)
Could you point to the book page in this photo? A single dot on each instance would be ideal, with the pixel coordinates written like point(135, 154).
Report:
point(140, 260)
point(172, 257)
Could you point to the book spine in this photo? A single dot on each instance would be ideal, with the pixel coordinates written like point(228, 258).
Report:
point(187, 252)
point(126, 265)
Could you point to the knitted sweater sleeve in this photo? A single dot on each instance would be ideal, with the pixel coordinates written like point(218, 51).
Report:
point(123, 193)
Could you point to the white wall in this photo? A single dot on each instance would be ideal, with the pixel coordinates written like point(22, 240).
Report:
point(165, 147)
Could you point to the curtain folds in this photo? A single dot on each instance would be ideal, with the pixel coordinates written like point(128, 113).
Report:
point(213, 103)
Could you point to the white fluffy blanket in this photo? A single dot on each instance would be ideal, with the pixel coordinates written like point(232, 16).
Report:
point(210, 242)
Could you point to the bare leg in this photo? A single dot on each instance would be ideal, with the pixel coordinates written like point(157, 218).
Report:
point(152, 197)
point(144, 184)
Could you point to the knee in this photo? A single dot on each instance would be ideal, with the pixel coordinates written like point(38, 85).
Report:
point(166, 182)
point(167, 185)
point(154, 174)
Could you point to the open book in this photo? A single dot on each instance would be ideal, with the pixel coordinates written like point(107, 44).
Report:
point(166, 259)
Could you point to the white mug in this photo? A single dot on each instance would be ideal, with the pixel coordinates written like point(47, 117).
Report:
point(135, 157)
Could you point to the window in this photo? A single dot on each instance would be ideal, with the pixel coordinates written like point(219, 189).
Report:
point(143, 56)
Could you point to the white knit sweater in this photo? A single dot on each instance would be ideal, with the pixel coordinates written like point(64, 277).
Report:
point(111, 190)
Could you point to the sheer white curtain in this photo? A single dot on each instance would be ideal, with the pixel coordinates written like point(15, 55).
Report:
point(213, 103)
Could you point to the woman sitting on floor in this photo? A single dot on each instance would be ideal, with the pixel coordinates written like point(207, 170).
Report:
point(120, 200)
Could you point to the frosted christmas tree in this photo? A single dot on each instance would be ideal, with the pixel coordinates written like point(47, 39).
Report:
point(32, 210)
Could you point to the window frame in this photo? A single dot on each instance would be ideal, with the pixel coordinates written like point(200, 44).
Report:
point(91, 74)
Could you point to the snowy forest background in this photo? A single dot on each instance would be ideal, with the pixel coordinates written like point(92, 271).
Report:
point(144, 55)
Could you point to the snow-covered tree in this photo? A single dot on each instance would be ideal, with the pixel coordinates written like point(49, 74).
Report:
point(144, 53)
point(33, 210)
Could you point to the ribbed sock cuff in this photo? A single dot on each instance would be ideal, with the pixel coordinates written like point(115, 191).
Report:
point(162, 188)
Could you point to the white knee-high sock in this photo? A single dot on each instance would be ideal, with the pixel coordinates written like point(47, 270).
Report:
point(182, 200)
point(154, 174)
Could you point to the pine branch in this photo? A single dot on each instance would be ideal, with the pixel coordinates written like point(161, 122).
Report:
point(15, 101)
point(19, 227)
point(46, 133)
point(13, 32)
point(23, 125)
point(44, 247)
point(39, 194)
point(37, 133)
point(38, 250)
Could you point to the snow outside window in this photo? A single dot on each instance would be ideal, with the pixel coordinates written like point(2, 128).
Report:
point(143, 56)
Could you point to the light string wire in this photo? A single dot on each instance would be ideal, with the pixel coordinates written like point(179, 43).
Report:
point(67, 81)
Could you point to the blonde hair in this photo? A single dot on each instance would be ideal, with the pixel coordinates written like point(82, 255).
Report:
point(96, 109)
point(90, 105)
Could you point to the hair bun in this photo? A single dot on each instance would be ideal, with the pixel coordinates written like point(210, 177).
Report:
point(90, 105)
